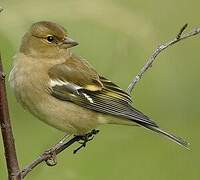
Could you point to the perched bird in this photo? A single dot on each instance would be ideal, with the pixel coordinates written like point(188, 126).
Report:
point(64, 90)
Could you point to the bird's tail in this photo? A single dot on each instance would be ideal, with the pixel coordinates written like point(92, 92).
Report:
point(172, 137)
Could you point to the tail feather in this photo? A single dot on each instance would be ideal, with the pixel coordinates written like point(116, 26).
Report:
point(172, 137)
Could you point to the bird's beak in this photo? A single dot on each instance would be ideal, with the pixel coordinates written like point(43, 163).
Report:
point(68, 42)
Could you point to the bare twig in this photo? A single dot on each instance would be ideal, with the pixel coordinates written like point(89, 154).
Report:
point(49, 154)
point(6, 130)
point(179, 37)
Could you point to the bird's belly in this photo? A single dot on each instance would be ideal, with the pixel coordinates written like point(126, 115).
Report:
point(66, 116)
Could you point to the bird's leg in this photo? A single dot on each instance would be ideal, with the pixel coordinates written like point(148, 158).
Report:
point(85, 138)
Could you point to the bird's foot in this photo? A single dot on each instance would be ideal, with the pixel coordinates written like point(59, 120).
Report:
point(86, 138)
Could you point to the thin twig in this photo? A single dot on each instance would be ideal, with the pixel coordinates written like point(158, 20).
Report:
point(6, 130)
point(179, 37)
point(49, 154)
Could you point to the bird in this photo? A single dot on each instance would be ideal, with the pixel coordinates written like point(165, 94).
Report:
point(65, 91)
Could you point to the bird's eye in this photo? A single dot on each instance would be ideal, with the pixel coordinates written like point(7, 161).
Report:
point(50, 38)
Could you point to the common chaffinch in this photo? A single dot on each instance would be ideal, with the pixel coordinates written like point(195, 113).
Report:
point(65, 91)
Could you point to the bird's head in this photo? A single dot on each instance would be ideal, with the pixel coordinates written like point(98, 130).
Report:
point(46, 39)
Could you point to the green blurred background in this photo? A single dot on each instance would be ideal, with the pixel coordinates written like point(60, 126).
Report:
point(116, 37)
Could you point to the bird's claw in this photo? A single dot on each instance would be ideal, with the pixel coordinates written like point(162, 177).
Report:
point(86, 138)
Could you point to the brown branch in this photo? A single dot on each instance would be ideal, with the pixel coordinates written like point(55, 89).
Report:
point(179, 37)
point(49, 155)
point(6, 130)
